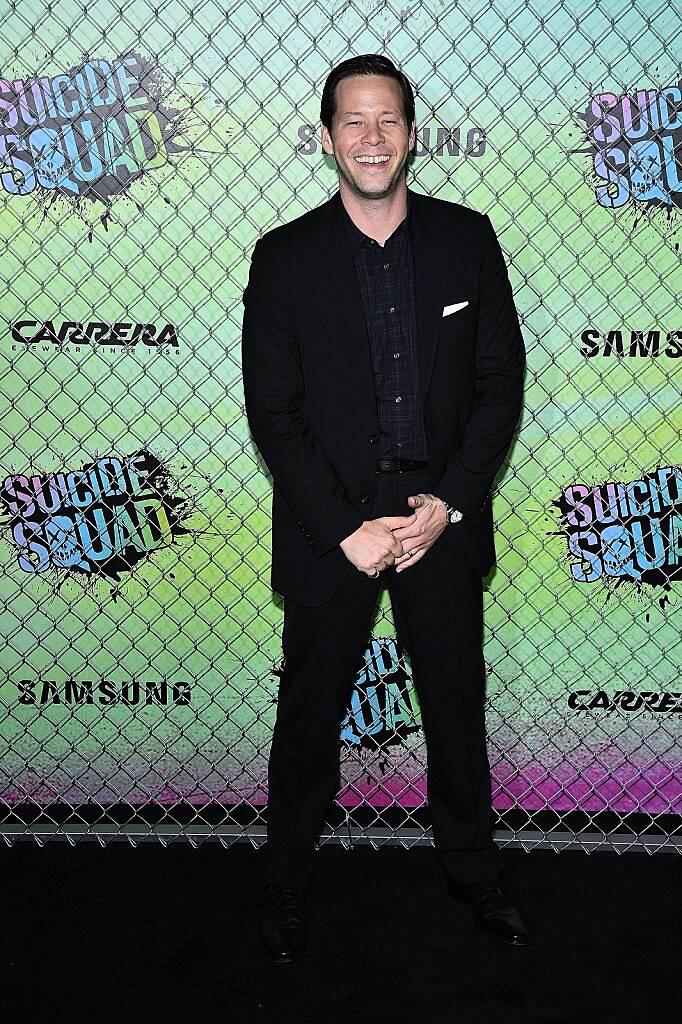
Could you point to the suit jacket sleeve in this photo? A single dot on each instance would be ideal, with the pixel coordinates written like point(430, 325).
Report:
point(500, 357)
point(273, 395)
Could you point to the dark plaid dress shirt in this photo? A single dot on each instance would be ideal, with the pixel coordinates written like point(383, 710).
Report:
point(386, 279)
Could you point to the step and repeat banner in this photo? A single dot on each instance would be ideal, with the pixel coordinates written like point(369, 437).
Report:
point(141, 156)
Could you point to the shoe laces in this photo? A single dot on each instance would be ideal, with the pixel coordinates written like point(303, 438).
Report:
point(282, 895)
point(492, 898)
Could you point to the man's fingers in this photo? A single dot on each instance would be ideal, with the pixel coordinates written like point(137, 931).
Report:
point(395, 522)
point(407, 562)
point(400, 544)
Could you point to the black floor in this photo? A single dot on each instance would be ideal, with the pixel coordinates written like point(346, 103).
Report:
point(96, 934)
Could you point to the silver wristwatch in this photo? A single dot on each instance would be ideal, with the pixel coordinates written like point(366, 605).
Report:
point(454, 515)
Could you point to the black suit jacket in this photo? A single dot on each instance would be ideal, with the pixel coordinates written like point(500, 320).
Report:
point(309, 394)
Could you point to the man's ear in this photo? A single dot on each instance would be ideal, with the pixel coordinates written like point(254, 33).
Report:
point(327, 144)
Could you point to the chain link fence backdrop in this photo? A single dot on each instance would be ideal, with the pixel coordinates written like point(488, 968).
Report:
point(144, 149)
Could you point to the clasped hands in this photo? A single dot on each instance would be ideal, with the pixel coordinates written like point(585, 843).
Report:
point(397, 540)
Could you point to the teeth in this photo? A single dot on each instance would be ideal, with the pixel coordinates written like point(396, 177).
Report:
point(371, 159)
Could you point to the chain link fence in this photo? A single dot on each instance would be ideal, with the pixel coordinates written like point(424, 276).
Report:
point(143, 151)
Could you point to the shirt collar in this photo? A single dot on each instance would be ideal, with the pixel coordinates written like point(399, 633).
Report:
point(357, 238)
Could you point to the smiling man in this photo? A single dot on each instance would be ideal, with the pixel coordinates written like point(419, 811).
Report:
point(383, 379)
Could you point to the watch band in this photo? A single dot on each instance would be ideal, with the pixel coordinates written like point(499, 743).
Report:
point(454, 515)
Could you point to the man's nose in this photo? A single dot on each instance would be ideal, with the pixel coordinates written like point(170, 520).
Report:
point(373, 135)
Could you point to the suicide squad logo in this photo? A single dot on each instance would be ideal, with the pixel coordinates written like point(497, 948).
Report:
point(635, 141)
point(90, 132)
point(626, 530)
point(381, 712)
point(102, 518)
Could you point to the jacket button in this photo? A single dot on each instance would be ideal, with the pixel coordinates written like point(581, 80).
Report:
point(373, 438)
point(364, 499)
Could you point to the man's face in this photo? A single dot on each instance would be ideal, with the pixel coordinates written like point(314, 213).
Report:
point(369, 122)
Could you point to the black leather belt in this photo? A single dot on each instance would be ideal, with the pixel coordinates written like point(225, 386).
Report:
point(399, 465)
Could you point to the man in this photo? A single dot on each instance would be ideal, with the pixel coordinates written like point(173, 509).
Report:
point(383, 379)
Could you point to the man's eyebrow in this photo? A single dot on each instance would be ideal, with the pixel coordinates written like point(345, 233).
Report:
point(346, 113)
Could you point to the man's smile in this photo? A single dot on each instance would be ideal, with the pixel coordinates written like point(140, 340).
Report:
point(372, 160)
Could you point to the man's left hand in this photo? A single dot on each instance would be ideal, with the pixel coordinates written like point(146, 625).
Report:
point(428, 522)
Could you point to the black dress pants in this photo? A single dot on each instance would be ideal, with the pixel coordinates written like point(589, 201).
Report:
point(438, 602)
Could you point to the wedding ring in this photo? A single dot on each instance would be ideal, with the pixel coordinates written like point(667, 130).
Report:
point(410, 554)
point(376, 573)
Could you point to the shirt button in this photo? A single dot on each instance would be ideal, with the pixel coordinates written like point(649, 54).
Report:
point(391, 309)
point(398, 399)
point(396, 355)
point(386, 266)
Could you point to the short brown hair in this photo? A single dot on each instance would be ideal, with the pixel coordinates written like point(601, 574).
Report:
point(366, 64)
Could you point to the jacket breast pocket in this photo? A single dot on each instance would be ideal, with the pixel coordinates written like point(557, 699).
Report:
point(456, 341)
point(460, 323)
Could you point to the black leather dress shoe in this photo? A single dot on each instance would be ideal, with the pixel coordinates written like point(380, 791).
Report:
point(282, 923)
point(493, 914)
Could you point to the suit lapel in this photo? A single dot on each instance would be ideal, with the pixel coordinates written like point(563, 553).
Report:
point(339, 283)
point(430, 274)
point(338, 280)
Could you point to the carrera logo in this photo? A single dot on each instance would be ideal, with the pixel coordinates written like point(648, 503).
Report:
point(626, 700)
point(53, 335)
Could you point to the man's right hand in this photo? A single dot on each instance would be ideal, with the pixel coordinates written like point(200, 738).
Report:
point(373, 545)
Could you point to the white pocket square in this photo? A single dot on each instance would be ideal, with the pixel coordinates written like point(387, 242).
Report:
point(453, 309)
